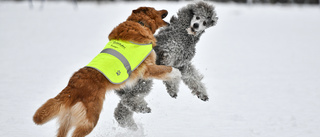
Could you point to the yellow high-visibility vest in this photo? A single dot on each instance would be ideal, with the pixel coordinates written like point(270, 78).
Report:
point(119, 58)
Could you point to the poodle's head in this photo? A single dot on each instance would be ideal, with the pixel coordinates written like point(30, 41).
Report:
point(202, 16)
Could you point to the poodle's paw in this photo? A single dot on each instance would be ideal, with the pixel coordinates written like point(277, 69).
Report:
point(172, 87)
point(133, 127)
point(202, 96)
point(173, 94)
point(129, 125)
point(141, 109)
point(126, 122)
point(146, 110)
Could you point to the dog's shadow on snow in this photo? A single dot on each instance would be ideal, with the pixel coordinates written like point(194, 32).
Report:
point(123, 132)
point(117, 131)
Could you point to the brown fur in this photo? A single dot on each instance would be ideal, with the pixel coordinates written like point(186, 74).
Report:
point(80, 103)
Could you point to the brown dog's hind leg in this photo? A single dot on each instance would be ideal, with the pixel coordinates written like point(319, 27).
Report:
point(64, 128)
point(86, 117)
point(82, 131)
point(65, 122)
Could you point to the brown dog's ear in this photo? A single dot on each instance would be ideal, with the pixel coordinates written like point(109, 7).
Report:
point(163, 13)
point(135, 11)
point(141, 9)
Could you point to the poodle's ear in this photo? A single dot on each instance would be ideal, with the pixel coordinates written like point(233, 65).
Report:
point(191, 12)
point(173, 19)
point(191, 8)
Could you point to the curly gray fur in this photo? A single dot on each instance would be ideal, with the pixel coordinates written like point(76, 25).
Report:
point(176, 48)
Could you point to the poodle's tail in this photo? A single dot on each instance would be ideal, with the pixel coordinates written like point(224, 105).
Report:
point(47, 111)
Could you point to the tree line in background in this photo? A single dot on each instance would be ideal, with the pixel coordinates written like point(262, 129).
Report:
point(237, 1)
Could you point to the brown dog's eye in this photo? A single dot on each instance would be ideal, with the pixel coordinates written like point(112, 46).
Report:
point(164, 15)
point(204, 23)
point(197, 18)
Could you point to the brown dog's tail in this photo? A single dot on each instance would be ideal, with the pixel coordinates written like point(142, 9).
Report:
point(47, 111)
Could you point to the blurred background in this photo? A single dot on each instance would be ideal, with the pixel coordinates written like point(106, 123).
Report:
point(237, 1)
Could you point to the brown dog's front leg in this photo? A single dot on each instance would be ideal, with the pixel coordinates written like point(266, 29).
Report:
point(162, 72)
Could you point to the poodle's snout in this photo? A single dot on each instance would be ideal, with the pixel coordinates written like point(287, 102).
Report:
point(196, 25)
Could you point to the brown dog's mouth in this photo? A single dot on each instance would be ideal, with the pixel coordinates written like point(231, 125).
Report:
point(168, 24)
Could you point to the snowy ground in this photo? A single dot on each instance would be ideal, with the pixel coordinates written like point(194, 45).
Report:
point(261, 67)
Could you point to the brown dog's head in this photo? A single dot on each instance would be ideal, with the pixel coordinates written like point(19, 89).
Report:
point(149, 17)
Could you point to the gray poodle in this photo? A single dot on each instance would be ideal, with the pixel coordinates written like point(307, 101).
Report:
point(175, 47)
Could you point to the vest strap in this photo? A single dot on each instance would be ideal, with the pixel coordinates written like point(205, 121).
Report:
point(118, 55)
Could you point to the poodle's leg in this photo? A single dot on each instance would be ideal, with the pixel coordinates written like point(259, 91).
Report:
point(122, 114)
point(169, 75)
point(124, 117)
point(136, 104)
point(167, 58)
point(192, 78)
point(172, 87)
point(133, 98)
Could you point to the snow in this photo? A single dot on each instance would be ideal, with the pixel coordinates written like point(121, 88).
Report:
point(261, 67)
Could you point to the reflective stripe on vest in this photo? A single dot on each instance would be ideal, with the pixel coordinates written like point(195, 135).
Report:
point(119, 58)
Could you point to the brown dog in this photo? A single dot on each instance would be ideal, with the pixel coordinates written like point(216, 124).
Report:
point(80, 103)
